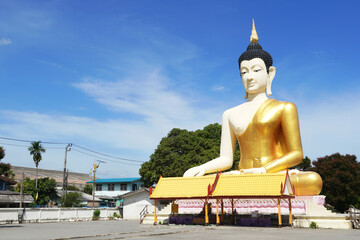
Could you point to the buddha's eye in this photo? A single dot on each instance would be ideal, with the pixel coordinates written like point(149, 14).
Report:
point(257, 70)
point(244, 72)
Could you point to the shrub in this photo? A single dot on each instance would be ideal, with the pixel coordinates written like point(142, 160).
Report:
point(313, 225)
point(96, 214)
point(72, 199)
point(115, 215)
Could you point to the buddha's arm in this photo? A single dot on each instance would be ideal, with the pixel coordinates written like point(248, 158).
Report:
point(225, 161)
point(291, 132)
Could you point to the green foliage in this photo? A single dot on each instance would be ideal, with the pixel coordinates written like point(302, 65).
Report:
point(182, 149)
point(2, 153)
point(96, 214)
point(313, 225)
point(305, 164)
point(5, 170)
point(71, 199)
point(72, 188)
point(88, 189)
point(46, 189)
point(115, 215)
point(35, 150)
point(341, 180)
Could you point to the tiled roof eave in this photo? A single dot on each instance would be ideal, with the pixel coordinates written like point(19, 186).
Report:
point(267, 185)
point(225, 197)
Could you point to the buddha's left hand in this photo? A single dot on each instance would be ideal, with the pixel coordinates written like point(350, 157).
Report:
point(253, 170)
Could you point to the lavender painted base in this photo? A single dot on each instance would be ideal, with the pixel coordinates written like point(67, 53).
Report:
point(247, 206)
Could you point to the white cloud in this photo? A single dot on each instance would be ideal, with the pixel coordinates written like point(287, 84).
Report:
point(330, 126)
point(5, 41)
point(218, 88)
point(150, 97)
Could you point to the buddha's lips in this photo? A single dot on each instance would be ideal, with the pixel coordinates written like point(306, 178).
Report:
point(251, 84)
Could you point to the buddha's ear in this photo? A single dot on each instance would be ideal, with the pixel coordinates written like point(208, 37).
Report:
point(271, 74)
point(246, 94)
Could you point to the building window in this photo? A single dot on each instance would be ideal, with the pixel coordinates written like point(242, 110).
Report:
point(98, 187)
point(123, 187)
point(134, 187)
point(111, 187)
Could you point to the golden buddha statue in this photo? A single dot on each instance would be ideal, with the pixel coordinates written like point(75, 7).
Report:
point(267, 130)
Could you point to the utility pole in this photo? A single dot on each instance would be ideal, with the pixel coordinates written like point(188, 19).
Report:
point(22, 189)
point(64, 187)
point(94, 171)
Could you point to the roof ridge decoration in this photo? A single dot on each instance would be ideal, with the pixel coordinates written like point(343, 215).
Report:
point(287, 187)
point(211, 188)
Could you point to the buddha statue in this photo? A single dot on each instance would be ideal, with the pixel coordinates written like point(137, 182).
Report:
point(267, 130)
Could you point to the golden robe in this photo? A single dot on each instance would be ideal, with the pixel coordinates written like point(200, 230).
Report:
point(272, 140)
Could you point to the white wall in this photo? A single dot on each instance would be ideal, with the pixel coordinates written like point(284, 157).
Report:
point(10, 215)
point(110, 193)
point(134, 204)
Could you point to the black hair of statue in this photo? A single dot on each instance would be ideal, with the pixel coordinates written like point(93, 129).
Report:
point(254, 50)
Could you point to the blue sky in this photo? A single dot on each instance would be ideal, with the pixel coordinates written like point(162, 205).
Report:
point(117, 76)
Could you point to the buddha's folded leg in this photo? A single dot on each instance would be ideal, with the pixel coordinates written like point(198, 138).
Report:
point(306, 183)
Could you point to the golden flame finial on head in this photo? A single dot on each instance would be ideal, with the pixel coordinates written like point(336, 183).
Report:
point(254, 37)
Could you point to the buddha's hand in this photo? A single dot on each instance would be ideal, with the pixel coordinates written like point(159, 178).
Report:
point(195, 172)
point(253, 170)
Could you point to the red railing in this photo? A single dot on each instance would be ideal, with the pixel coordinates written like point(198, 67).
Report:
point(143, 213)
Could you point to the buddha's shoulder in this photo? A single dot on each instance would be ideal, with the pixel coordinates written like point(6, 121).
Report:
point(235, 110)
point(283, 106)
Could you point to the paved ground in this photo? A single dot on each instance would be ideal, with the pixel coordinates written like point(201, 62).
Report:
point(123, 229)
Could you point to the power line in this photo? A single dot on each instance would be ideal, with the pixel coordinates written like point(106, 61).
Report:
point(103, 154)
point(87, 149)
point(105, 159)
point(22, 140)
point(16, 145)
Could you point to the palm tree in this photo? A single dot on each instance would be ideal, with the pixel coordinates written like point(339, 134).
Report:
point(36, 149)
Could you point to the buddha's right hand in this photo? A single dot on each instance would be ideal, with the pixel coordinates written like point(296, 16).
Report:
point(195, 172)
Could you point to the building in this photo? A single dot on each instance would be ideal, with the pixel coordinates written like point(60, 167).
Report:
point(85, 199)
point(135, 202)
point(110, 189)
point(10, 199)
point(5, 183)
point(74, 179)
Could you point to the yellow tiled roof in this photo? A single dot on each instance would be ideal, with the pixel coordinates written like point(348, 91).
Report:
point(249, 185)
point(182, 187)
point(252, 185)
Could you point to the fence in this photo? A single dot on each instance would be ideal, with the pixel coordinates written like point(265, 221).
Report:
point(29, 215)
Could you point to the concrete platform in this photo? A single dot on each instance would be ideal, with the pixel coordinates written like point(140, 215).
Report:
point(123, 229)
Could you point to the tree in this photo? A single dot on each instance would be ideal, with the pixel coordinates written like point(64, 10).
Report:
point(88, 189)
point(36, 149)
point(182, 149)
point(341, 180)
point(305, 164)
point(71, 199)
point(2, 153)
point(5, 168)
point(46, 190)
point(72, 188)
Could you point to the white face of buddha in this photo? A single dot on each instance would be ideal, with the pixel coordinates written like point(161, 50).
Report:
point(254, 75)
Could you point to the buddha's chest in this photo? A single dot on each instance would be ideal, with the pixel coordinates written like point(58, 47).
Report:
point(258, 121)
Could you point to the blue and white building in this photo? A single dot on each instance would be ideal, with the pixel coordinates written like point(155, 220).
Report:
point(115, 187)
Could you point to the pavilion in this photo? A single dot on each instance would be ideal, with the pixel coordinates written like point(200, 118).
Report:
point(221, 186)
